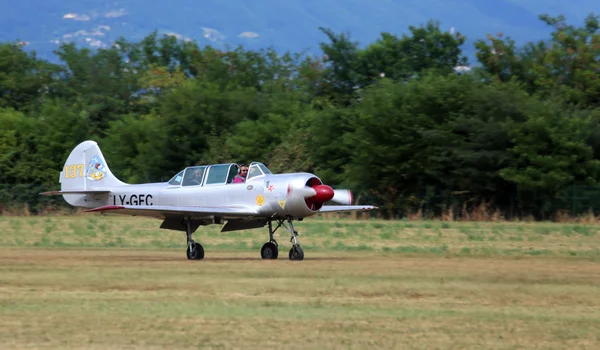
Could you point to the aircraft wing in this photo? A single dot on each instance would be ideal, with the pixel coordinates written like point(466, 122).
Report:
point(340, 208)
point(163, 211)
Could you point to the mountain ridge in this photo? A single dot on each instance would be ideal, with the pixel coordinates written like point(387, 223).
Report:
point(286, 25)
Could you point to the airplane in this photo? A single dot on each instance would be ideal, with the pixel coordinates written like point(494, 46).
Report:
point(185, 202)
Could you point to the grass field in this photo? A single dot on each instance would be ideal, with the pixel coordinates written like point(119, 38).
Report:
point(120, 282)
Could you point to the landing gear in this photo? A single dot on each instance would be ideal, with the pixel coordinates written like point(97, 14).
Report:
point(270, 249)
point(195, 251)
point(296, 253)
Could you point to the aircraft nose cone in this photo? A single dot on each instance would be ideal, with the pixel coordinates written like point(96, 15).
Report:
point(324, 193)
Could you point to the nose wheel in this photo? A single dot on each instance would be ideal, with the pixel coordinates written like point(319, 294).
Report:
point(270, 249)
point(296, 253)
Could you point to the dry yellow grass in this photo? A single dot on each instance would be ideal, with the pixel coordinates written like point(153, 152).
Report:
point(117, 298)
point(120, 283)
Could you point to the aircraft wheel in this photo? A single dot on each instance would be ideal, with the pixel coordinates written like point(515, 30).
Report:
point(269, 251)
point(296, 253)
point(195, 251)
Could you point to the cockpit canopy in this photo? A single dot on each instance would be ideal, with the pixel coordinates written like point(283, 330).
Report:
point(215, 174)
point(257, 169)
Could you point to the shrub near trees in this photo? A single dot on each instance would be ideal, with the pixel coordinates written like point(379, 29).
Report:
point(394, 120)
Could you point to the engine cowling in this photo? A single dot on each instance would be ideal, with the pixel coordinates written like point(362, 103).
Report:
point(306, 194)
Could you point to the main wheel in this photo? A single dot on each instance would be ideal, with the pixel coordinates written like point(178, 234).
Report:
point(296, 253)
point(195, 251)
point(269, 251)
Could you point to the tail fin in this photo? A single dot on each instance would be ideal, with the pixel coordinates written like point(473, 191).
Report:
point(85, 172)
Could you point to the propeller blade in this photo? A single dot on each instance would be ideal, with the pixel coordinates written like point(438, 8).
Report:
point(303, 192)
point(343, 197)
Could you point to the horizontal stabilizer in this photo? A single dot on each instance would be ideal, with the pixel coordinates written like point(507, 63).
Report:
point(76, 192)
point(340, 208)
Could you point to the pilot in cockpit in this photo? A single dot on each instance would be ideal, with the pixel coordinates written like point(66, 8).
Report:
point(241, 176)
point(196, 178)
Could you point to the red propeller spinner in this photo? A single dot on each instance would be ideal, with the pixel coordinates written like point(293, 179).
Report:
point(323, 194)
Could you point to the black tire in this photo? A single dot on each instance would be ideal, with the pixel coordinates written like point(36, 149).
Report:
point(296, 253)
point(197, 252)
point(269, 251)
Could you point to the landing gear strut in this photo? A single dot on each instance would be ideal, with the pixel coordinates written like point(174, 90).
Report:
point(270, 249)
point(195, 251)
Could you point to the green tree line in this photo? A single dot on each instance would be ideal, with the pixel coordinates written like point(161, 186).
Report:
point(395, 120)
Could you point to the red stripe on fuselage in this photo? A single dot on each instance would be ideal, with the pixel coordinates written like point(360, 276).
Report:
point(106, 207)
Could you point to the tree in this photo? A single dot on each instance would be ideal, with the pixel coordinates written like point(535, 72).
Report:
point(100, 81)
point(343, 72)
point(444, 134)
point(23, 77)
point(551, 153)
point(135, 147)
point(565, 67)
point(426, 49)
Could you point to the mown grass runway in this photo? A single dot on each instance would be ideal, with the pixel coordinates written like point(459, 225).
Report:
point(120, 282)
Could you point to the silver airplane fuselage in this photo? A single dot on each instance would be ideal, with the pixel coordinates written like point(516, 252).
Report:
point(271, 195)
